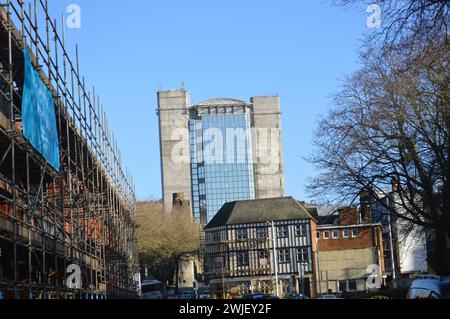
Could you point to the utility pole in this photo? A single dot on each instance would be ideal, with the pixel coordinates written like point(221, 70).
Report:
point(223, 279)
point(300, 271)
point(391, 240)
point(275, 258)
point(318, 264)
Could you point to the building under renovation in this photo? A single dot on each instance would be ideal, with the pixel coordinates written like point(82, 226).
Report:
point(67, 219)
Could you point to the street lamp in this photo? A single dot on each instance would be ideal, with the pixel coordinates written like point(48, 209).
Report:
point(223, 278)
point(318, 265)
point(300, 273)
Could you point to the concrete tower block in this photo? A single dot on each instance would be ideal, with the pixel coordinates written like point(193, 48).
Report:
point(267, 147)
point(173, 113)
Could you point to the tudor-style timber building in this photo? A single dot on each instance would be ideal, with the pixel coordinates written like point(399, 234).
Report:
point(261, 245)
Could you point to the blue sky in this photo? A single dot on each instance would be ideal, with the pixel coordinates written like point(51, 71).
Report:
point(232, 48)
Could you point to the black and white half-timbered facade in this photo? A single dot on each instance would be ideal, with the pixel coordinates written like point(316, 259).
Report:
point(251, 244)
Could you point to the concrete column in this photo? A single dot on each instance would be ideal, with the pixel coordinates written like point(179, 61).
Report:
point(267, 147)
point(173, 113)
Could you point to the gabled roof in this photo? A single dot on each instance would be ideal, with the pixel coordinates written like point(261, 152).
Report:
point(259, 211)
point(323, 213)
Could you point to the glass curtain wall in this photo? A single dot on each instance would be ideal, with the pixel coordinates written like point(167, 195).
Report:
point(221, 162)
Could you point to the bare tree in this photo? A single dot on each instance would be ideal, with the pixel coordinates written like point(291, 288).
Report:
point(421, 21)
point(164, 238)
point(391, 123)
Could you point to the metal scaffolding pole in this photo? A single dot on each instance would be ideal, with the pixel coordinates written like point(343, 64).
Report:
point(83, 213)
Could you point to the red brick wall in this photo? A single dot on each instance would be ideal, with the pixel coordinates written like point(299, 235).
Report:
point(367, 214)
point(365, 239)
point(349, 216)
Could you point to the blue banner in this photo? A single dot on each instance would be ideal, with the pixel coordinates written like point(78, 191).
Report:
point(38, 115)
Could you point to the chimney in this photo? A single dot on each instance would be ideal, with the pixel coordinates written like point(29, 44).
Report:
point(348, 216)
point(364, 195)
point(367, 214)
point(394, 184)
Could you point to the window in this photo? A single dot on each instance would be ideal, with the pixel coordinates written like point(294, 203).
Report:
point(265, 287)
point(283, 232)
point(355, 233)
point(346, 233)
point(217, 261)
point(352, 285)
point(435, 295)
point(300, 230)
point(342, 285)
point(335, 234)
point(148, 288)
point(326, 235)
point(318, 235)
point(387, 262)
point(284, 256)
point(242, 259)
point(262, 233)
point(245, 288)
point(263, 254)
point(216, 236)
point(263, 257)
point(302, 255)
point(386, 245)
point(419, 293)
point(241, 234)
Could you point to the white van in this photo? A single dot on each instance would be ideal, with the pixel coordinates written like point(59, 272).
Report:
point(430, 287)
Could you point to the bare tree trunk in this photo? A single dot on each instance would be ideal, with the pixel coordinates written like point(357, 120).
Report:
point(440, 258)
point(177, 274)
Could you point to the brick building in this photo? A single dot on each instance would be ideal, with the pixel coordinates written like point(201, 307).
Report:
point(347, 247)
point(404, 244)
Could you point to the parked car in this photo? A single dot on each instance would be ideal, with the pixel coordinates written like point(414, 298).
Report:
point(430, 287)
point(205, 294)
point(382, 297)
point(188, 294)
point(259, 295)
point(169, 293)
point(327, 296)
point(296, 296)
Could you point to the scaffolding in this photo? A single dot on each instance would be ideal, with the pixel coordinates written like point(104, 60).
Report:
point(83, 214)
